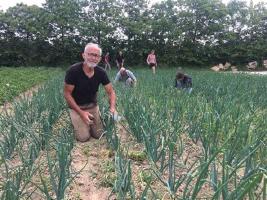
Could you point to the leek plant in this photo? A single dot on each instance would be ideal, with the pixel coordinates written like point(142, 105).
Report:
point(110, 130)
point(123, 185)
point(133, 115)
point(59, 168)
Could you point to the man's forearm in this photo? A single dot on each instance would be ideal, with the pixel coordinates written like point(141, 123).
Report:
point(134, 78)
point(72, 104)
point(112, 101)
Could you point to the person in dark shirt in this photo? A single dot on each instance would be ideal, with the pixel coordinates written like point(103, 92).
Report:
point(82, 81)
point(183, 81)
point(120, 60)
point(106, 60)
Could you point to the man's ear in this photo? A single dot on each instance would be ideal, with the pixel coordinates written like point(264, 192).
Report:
point(83, 55)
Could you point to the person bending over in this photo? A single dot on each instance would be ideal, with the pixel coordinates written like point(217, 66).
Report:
point(126, 76)
point(183, 81)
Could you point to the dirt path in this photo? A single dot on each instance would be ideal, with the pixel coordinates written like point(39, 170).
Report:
point(89, 158)
point(95, 161)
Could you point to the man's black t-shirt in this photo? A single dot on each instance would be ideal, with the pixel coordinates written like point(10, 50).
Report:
point(85, 90)
point(119, 58)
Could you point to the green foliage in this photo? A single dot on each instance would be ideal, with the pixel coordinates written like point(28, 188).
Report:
point(17, 80)
point(137, 155)
point(218, 116)
point(197, 32)
point(108, 178)
point(34, 126)
point(123, 185)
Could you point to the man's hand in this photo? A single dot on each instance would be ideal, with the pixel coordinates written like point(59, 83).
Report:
point(86, 117)
point(112, 97)
point(112, 110)
point(115, 116)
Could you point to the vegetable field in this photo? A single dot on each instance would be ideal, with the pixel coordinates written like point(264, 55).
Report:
point(210, 144)
point(17, 80)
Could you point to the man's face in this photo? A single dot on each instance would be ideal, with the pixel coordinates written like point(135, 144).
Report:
point(92, 56)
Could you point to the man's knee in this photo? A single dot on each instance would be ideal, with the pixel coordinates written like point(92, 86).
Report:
point(96, 130)
point(96, 134)
point(82, 137)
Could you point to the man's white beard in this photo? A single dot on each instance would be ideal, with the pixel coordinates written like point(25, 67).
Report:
point(91, 64)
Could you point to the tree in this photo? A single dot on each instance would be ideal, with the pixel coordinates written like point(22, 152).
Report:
point(201, 23)
point(62, 18)
point(133, 18)
point(21, 26)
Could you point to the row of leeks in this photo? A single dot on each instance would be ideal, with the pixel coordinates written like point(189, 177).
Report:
point(227, 124)
point(35, 144)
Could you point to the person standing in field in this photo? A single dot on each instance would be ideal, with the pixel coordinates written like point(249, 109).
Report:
point(120, 60)
point(82, 81)
point(125, 75)
point(106, 60)
point(151, 61)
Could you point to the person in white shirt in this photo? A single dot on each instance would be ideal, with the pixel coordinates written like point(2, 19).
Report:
point(126, 76)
